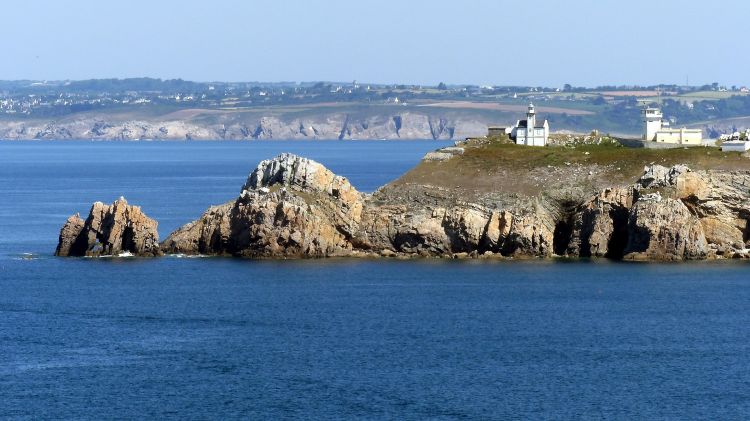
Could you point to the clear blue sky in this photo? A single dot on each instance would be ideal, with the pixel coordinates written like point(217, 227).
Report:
point(582, 42)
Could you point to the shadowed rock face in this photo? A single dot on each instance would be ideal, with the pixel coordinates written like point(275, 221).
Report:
point(109, 230)
point(601, 225)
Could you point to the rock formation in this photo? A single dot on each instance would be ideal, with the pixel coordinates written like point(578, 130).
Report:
point(601, 225)
point(289, 207)
point(109, 230)
point(664, 230)
point(294, 207)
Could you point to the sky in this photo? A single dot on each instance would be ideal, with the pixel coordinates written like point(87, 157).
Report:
point(493, 42)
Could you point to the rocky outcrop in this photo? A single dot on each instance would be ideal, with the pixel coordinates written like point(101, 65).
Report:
point(72, 242)
point(670, 214)
point(288, 207)
point(294, 207)
point(109, 230)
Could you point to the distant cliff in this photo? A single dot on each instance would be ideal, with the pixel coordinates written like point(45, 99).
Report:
point(224, 125)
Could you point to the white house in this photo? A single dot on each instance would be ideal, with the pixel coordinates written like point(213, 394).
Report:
point(528, 132)
point(658, 130)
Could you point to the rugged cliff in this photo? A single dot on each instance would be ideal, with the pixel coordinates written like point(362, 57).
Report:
point(109, 230)
point(227, 125)
point(294, 207)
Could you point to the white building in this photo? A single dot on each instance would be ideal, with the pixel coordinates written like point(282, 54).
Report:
point(735, 146)
point(736, 142)
point(658, 130)
point(528, 132)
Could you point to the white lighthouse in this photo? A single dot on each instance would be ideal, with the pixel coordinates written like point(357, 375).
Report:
point(526, 132)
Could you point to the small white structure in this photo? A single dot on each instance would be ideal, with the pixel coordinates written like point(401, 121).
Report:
point(527, 132)
point(735, 146)
point(658, 130)
point(499, 131)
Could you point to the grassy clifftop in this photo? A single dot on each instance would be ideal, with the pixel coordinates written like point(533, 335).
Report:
point(495, 168)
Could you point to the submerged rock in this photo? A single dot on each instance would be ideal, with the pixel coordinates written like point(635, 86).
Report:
point(109, 230)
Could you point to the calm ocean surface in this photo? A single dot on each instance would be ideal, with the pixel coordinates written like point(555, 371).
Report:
point(218, 338)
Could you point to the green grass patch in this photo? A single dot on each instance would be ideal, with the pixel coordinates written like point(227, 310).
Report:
point(517, 169)
point(497, 154)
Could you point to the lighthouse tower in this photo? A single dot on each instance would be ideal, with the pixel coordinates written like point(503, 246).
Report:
point(530, 124)
point(652, 121)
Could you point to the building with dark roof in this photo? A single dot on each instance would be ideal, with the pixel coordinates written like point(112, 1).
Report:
point(529, 132)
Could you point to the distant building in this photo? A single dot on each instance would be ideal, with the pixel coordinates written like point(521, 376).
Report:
point(658, 130)
point(528, 132)
point(735, 142)
point(735, 146)
point(499, 131)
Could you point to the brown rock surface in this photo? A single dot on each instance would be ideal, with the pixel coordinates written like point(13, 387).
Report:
point(289, 207)
point(71, 238)
point(664, 230)
point(109, 230)
point(601, 225)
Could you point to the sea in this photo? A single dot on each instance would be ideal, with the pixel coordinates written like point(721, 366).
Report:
point(223, 338)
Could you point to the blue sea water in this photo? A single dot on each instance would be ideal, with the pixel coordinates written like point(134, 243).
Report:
point(219, 338)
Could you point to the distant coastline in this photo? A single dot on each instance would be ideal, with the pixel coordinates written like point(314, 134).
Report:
point(344, 123)
point(155, 109)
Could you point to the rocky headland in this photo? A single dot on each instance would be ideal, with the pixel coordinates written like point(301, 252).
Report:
point(586, 201)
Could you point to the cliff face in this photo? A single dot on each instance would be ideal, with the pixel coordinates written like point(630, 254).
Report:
point(109, 230)
point(231, 126)
point(294, 207)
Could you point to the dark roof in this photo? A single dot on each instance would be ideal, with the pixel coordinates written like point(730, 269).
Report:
point(524, 123)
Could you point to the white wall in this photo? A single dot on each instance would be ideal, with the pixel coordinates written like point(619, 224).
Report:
point(735, 146)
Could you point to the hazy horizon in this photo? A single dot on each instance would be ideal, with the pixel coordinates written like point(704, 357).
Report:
point(359, 82)
point(583, 42)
